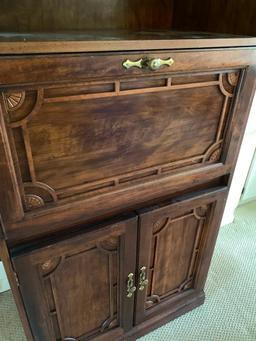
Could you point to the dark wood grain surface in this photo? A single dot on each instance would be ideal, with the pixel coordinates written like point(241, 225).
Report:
point(59, 15)
point(112, 35)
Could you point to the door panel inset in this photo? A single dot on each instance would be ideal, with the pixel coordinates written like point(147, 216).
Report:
point(79, 286)
point(172, 250)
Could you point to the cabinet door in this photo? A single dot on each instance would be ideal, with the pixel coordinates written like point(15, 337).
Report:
point(77, 289)
point(176, 244)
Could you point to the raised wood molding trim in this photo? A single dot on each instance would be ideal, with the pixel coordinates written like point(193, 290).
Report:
point(7, 169)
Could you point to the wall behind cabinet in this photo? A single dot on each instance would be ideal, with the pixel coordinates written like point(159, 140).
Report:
point(242, 167)
point(4, 285)
point(222, 16)
point(249, 192)
point(61, 15)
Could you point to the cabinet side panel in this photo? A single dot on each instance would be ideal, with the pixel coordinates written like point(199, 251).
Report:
point(4, 256)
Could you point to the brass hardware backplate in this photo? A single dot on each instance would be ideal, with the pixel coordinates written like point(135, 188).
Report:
point(130, 285)
point(156, 63)
point(143, 63)
point(129, 63)
point(143, 281)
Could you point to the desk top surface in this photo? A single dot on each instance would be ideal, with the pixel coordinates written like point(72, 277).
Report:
point(95, 41)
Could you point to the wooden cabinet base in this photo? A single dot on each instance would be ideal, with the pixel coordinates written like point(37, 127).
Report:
point(192, 301)
point(123, 276)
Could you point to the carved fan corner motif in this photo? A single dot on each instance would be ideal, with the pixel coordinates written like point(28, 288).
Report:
point(200, 212)
point(33, 201)
point(160, 225)
point(228, 82)
point(233, 78)
point(109, 323)
point(51, 265)
point(109, 245)
point(213, 153)
point(14, 100)
point(37, 194)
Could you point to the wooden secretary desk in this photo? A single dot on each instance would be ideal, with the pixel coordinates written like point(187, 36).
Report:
point(118, 143)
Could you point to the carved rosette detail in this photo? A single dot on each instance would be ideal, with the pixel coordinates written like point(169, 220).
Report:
point(108, 246)
point(160, 225)
point(227, 82)
point(14, 100)
point(51, 265)
point(37, 194)
point(233, 78)
point(33, 201)
point(151, 300)
point(215, 155)
point(200, 212)
point(109, 323)
point(47, 265)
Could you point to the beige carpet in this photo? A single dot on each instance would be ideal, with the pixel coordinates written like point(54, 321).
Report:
point(229, 313)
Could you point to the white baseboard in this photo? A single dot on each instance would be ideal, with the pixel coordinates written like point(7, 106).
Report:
point(246, 201)
point(4, 284)
point(242, 167)
point(228, 218)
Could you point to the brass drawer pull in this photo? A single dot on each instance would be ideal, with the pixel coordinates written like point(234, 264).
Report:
point(129, 63)
point(152, 64)
point(143, 280)
point(156, 63)
point(130, 285)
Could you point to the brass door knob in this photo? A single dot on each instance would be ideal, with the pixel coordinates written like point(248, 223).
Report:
point(157, 63)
